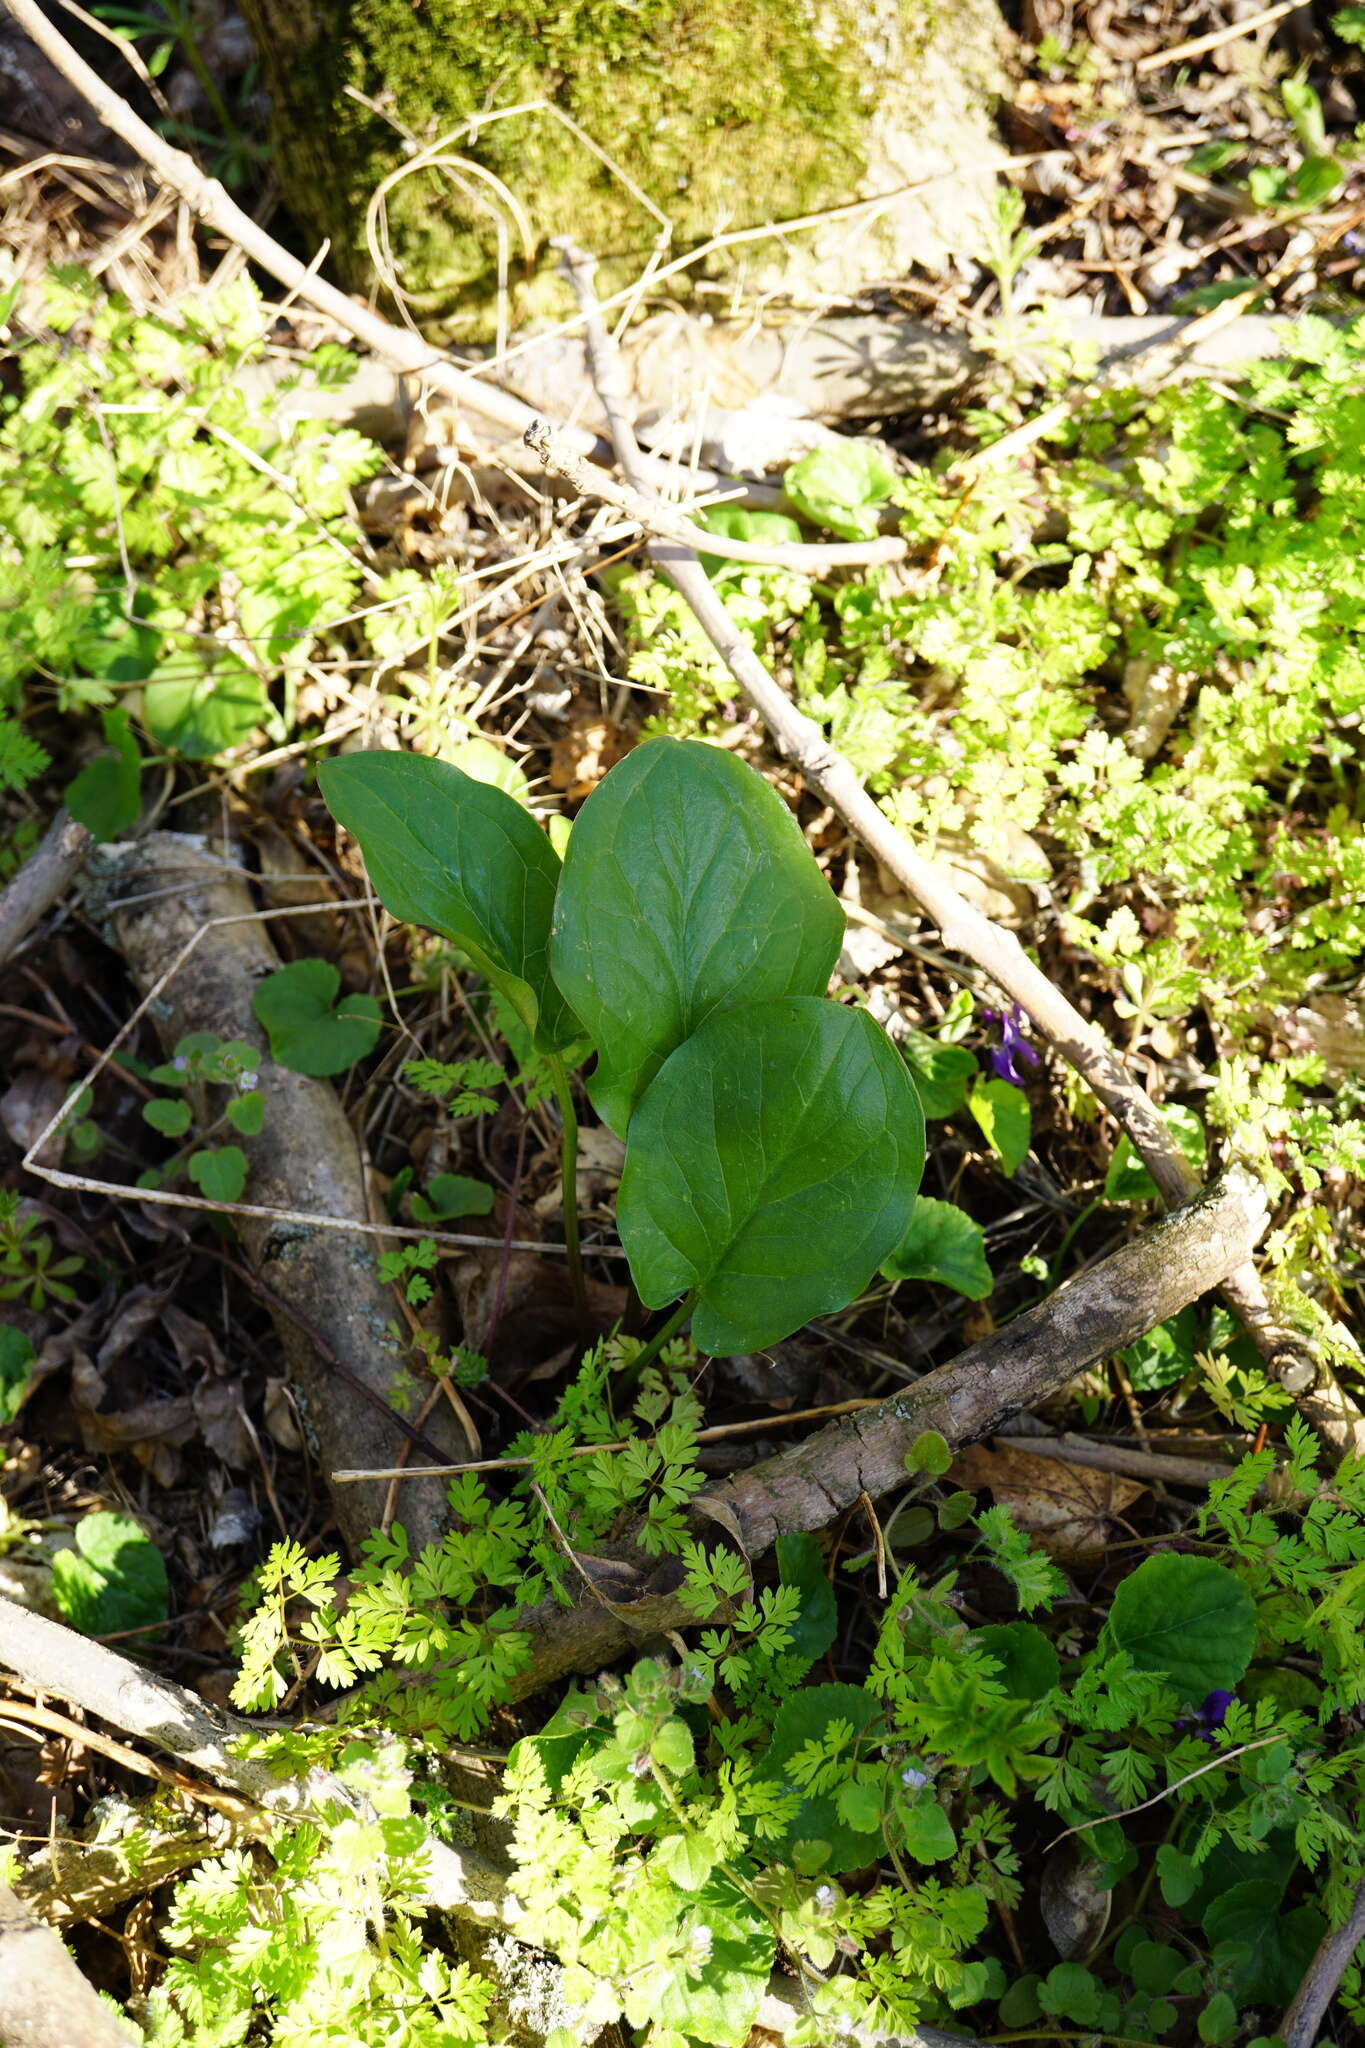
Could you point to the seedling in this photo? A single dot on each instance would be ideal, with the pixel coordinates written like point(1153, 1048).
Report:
point(774, 1139)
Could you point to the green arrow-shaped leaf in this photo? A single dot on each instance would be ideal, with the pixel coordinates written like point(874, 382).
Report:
point(687, 887)
point(465, 860)
point(771, 1165)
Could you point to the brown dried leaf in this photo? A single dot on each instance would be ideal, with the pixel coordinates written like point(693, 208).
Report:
point(1068, 1510)
point(584, 752)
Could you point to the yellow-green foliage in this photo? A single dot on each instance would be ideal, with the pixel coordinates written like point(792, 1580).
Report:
point(725, 112)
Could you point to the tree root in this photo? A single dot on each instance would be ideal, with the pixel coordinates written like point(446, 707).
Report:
point(42, 881)
point(322, 1287)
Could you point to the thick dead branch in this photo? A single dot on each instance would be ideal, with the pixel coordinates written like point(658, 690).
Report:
point(44, 2000)
point(807, 1488)
point(323, 1290)
point(964, 928)
point(42, 881)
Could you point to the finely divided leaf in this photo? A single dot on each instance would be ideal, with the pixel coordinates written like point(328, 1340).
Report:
point(772, 1164)
point(465, 860)
point(687, 888)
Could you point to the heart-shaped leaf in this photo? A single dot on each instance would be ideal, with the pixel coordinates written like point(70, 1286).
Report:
point(771, 1165)
point(1188, 1617)
point(306, 1033)
point(114, 1579)
point(465, 860)
point(205, 703)
point(943, 1244)
point(687, 888)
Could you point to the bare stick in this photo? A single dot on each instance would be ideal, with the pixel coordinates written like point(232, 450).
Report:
point(42, 881)
point(810, 1486)
point(1299, 2027)
point(964, 928)
point(1198, 46)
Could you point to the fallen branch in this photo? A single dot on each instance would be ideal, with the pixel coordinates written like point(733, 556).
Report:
point(323, 1291)
point(42, 881)
point(1103, 1309)
point(964, 928)
point(1299, 2027)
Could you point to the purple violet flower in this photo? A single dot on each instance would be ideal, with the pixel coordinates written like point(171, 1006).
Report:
point(1210, 1717)
point(1014, 1044)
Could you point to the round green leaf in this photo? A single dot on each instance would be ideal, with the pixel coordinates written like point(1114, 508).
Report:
point(1187, 1617)
point(945, 1245)
point(809, 1715)
point(305, 1032)
point(771, 1166)
point(220, 1174)
point(687, 888)
point(1278, 1944)
point(1028, 1663)
point(205, 703)
point(169, 1117)
point(464, 859)
point(114, 1579)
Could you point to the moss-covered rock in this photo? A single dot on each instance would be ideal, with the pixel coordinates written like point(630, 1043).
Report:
point(698, 116)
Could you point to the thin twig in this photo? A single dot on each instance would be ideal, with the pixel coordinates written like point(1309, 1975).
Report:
point(1299, 2027)
point(1198, 46)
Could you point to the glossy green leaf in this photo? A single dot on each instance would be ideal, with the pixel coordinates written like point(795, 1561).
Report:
point(452, 1194)
point(736, 522)
point(309, 1031)
point(464, 859)
point(943, 1073)
point(771, 1165)
point(687, 888)
point(1279, 1943)
point(1187, 1617)
point(1006, 1122)
point(114, 1579)
point(942, 1244)
point(106, 796)
point(1164, 1355)
point(817, 1713)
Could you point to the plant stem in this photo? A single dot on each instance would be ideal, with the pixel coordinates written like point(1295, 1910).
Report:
point(568, 1154)
point(669, 1329)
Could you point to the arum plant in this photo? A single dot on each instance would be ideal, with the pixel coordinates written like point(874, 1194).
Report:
point(774, 1139)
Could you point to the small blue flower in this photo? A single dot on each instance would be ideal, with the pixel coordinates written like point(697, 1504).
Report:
point(1014, 1044)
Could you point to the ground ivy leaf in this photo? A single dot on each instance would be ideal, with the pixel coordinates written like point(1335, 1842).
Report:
point(171, 1118)
point(464, 859)
point(945, 1245)
point(776, 1128)
point(687, 888)
point(220, 1174)
point(841, 485)
point(114, 1579)
point(1188, 1617)
point(1005, 1119)
point(308, 1035)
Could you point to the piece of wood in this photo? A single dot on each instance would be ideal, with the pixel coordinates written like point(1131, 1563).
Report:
point(806, 1488)
point(330, 1308)
point(44, 2000)
point(42, 881)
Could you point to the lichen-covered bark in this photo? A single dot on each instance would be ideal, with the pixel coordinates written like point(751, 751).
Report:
point(725, 113)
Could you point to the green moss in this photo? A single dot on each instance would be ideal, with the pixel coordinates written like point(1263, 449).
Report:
point(726, 113)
